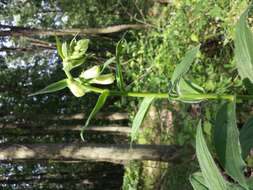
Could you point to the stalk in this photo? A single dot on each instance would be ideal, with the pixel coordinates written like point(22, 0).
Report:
point(166, 95)
point(68, 74)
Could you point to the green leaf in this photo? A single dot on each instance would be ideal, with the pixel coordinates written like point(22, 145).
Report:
point(197, 181)
point(52, 87)
point(183, 67)
point(101, 101)
point(59, 47)
point(213, 178)
point(244, 47)
point(246, 137)
point(69, 64)
point(119, 76)
point(140, 116)
point(64, 49)
point(107, 63)
point(250, 182)
point(227, 145)
point(187, 87)
point(232, 186)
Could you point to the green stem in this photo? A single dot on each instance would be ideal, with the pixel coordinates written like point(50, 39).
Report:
point(68, 74)
point(166, 95)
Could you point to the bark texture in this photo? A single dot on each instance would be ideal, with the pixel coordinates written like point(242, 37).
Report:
point(26, 129)
point(97, 152)
point(8, 30)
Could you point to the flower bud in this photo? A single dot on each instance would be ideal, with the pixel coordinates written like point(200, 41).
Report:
point(81, 46)
point(76, 88)
point(103, 79)
point(93, 72)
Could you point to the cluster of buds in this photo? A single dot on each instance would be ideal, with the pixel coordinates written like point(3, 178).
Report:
point(73, 55)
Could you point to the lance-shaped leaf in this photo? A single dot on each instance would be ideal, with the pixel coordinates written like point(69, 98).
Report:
point(213, 178)
point(244, 48)
point(186, 87)
point(101, 101)
point(250, 182)
point(246, 137)
point(119, 75)
point(65, 49)
point(107, 63)
point(52, 87)
point(140, 116)
point(197, 181)
point(59, 47)
point(183, 67)
point(227, 145)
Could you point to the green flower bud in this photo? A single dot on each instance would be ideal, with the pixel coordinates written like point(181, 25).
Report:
point(81, 46)
point(93, 72)
point(103, 79)
point(76, 88)
point(77, 55)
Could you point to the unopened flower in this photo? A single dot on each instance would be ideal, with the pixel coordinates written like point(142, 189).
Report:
point(104, 79)
point(76, 88)
point(93, 72)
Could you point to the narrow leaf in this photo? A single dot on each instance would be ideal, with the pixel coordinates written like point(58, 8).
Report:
point(246, 137)
point(101, 101)
point(52, 87)
point(244, 48)
point(227, 145)
point(213, 178)
point(186, 87)
point(250, 182)
point(59, 47)
point(197, 181)
point(183, 67)
point(107, 63)
point(140, 116)
point(64, 50)
point(119, 75)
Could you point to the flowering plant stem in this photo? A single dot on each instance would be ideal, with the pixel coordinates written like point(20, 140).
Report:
point(166, 95)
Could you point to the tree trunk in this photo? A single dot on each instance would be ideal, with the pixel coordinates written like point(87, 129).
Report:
point(97, 152)
point(25, 49)
point(25, 31)
point(11, 129)
point(116, 116)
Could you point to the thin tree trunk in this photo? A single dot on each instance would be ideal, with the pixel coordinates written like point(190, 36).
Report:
point(97, 152)
point(16, 49)
point(116, 116)
point(25, 31)
point(11, 129)
point(26, 49)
